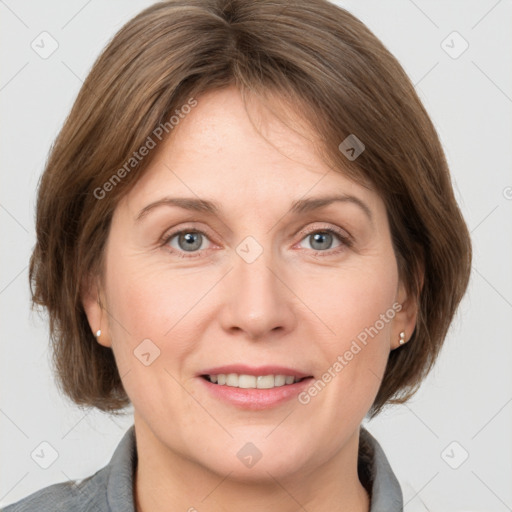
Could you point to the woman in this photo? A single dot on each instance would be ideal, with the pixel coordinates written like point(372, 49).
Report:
point(212, 150)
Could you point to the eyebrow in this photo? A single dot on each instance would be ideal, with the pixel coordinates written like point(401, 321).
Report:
point(300, 206)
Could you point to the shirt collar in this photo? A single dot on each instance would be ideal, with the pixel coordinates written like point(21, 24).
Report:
point(385, 494)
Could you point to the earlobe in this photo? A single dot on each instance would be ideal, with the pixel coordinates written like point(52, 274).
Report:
point(94, 310)
point(405, 319)
point(101, 338)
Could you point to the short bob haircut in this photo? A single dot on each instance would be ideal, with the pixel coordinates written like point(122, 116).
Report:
point(323, 64)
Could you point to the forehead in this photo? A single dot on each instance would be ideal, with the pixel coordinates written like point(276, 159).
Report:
point(245, 154)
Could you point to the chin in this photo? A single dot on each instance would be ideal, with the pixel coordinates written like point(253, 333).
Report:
point(258, 461)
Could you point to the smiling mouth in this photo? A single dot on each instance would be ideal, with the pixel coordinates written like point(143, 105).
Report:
point(243, 381)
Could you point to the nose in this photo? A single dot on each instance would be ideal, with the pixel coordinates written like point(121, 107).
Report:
point(259, 303)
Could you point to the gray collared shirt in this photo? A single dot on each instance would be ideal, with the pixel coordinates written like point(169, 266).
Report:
point(111, 488)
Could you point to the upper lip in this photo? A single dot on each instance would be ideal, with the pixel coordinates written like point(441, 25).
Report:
point(241, 369)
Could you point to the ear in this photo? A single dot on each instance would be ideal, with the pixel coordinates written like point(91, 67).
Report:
point(406, 317)
point(93, 302)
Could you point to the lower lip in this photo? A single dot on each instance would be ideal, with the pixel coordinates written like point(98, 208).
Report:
point(256, 399)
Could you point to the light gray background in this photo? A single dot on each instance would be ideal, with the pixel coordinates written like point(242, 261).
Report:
point(468, 396)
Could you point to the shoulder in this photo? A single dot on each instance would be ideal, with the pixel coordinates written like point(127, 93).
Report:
point(89, 494)
point(377, 476)
point(110, 489)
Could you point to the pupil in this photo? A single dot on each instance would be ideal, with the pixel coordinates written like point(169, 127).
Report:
point(319, 237)
point(191, 240)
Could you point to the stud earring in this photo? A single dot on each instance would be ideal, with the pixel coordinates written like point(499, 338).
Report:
point(98, 333)
point(402, 338)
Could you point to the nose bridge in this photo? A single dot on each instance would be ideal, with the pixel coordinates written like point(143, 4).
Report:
point(258, 301)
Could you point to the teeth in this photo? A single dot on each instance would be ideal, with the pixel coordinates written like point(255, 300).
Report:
point(280, 380)
point(265, 382)
point(252, 382)
point(232, 380)
point(245, 381)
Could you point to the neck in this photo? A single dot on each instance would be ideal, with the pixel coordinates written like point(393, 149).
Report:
point(166, 480)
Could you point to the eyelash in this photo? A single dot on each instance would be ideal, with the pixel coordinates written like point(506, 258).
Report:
point(346, 241)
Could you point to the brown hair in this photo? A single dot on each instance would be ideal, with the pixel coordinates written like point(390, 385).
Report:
point(321, 61)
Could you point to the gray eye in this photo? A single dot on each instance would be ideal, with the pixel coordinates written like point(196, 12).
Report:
point(321, 240)
point(187, 241)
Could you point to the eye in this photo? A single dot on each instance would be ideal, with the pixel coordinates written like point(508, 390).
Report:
point(186, 241)
point(321, 240)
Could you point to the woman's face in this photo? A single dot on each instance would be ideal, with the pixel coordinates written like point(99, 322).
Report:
point(256, 287)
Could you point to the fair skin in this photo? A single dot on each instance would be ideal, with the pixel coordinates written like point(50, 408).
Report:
point(300, 304)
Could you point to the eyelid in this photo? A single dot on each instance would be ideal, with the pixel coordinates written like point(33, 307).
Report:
point(342, 233)
point(171, 233)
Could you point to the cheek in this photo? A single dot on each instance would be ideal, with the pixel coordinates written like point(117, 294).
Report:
point(151, 302)
point(352, 299)
point(357, 306)
point(151, 337)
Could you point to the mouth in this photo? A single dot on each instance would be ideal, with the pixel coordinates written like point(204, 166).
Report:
point(245, 381)
point(254, 388)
